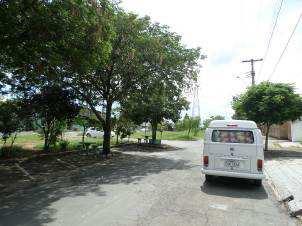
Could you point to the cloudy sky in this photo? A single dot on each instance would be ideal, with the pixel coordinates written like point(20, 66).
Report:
point(229, 31)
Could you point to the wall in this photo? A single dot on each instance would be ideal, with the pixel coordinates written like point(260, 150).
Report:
point(282, 131)
point(296, 131)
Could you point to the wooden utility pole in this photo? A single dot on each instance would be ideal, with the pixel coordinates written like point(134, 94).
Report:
point(252, 68)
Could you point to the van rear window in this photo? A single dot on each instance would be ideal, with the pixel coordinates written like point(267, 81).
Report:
point(233, 136)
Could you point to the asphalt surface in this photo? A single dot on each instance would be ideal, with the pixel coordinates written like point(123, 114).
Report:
point(148, 189)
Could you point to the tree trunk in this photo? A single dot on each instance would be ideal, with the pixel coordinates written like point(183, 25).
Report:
point(83, 137)
point(117, 134)
point(46, 143)
point(12, 143)
point(46, 139)
point(154, 129)
point(13, 140)
point(107, 129)
point(189, 131)
point(266, 137)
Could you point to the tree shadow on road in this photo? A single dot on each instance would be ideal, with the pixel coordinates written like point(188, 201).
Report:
point(271, 154)
point(145, 147)
point(33, 205)
point(233, 187)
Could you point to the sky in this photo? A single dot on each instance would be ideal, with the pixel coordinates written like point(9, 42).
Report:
point(229, 31)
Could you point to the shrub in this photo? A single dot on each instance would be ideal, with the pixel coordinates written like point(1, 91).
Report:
point(63, 145)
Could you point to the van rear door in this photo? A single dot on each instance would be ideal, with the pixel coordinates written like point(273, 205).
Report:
point(233, 150)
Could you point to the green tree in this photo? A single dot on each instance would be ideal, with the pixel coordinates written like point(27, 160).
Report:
point(63, 42)
point(207, 121)
point(85, 119)
point(170, 68)
point(190, 124)
point(92, 47)
point(123, 126)
point(10, 119)
point(268, 104)
point(51, 110)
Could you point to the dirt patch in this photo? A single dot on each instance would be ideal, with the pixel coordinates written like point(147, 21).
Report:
point(29, 146)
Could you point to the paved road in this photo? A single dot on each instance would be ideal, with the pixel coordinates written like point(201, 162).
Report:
point(151, 189)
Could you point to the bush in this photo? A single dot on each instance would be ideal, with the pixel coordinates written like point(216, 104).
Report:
point(13, 152)
point(63, 145)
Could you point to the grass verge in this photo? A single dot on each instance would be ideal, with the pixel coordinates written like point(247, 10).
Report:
point(171, 135)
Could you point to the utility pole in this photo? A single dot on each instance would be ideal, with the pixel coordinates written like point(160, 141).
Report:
point(252, 67)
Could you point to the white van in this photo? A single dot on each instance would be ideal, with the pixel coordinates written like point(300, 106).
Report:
point(233, 149)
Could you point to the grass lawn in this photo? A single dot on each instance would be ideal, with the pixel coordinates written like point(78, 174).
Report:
point(171, 135)
point(28, 143)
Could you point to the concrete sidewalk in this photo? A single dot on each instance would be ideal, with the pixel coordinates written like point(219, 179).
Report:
point(275, 144)
point(284, 174)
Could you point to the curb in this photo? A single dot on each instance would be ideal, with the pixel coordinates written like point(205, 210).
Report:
point(295, 208)
point(285, 196)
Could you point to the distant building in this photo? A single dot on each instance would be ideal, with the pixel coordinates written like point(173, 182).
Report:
point(291, 130)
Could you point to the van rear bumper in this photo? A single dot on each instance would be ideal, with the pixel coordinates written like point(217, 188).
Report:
point(258, 176)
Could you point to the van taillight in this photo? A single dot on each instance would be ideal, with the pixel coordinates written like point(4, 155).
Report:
point(205, 160)
point(259, 164)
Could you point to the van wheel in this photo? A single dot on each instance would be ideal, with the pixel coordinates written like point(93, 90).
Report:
point(88, 135)
point(209, 178)
point(258, 183)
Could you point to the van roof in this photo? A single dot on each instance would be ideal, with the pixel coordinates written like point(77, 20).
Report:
point(233, 124)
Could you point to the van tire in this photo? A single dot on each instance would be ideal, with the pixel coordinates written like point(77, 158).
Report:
point(258, 183)
point(209, 178)
point(88, 135)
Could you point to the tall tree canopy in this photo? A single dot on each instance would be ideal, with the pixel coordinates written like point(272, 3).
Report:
point(170, 69)
point(268, 104)
point(92, 47)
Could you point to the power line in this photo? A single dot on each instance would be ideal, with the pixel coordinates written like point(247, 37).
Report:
point(271, 36)
point(243, 74)
point(285, 47)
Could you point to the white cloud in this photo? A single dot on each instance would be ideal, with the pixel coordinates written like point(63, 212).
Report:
point(228, 32)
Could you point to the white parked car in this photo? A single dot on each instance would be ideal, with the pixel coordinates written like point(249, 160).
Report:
point(95, 132)
point(233, 149)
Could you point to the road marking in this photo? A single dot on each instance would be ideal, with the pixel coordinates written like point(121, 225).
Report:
point(24, 171)
point(219, 206)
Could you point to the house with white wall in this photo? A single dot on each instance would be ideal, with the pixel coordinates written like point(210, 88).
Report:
point(291, 130)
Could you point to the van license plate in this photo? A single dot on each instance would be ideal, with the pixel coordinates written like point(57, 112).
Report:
point(232, 163)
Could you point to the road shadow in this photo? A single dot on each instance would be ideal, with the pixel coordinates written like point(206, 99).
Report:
point(144, 147)
point(271, 154)
point(233, 187)
point(33, 205)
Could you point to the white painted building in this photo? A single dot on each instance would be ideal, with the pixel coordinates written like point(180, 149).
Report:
point(291, 130)
point(296, 131)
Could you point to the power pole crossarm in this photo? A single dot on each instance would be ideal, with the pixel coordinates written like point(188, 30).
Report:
point(252, 67)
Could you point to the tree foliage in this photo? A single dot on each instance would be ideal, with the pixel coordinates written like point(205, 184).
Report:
point(207, 121)
point(94, 48)
point(51, 110)
point(170, 68)
point(123, 126)
point(189, 124)
point(85, 119)
point(268, 104)
point(11, 118)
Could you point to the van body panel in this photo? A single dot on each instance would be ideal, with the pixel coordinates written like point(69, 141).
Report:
point(257, 176)
point(237, 158)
